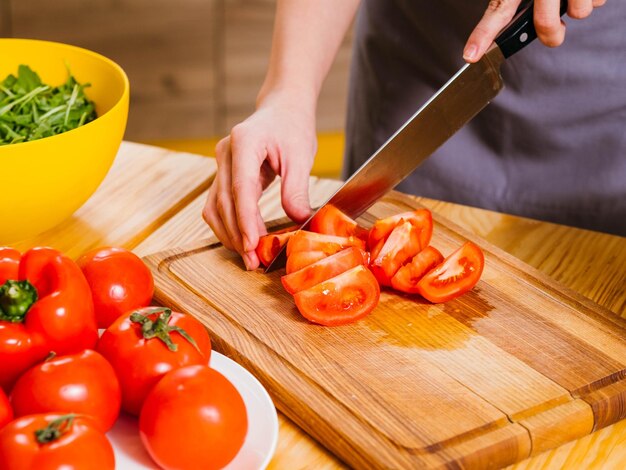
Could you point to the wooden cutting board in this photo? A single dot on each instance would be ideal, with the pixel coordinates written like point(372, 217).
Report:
point(517, 366)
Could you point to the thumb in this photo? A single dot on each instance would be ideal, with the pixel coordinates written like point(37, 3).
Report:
point(498, 14)
point(295, 192)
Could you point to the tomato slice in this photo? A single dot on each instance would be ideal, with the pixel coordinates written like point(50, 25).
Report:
point(402, 244)
point(458, 273)
point(304, 240)
point(339, 300)
point(330, 220)
point(421, 218)
point(322, 270)
point(270, 244)
point(301, 259)
point(407, 277)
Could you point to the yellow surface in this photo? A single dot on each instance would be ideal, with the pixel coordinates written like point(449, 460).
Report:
point(327, 163)
point(44, 181)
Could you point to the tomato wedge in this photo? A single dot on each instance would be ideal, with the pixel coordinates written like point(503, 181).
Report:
point(407, 277)
point(322, 270)
point(402, 244)
point(330, 220)
point(420, 218)
point(339, 300)
point(300, 259)
point(303, 240)
point(270, 244)
point(458, 273)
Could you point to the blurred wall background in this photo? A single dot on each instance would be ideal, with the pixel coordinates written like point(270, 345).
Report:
point(195, 66)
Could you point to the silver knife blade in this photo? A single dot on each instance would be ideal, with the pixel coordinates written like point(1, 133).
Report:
point(456, 103)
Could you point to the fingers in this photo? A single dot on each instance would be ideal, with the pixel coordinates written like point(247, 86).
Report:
point(579, 9)
point(550, 29)
point(210, 216)
point(499, 13)
point(220, 212)
point(246, 186)
point(295, 190)
point(247, 161)
point(548, 24)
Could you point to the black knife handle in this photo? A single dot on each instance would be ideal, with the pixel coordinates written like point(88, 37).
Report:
point(521, 30)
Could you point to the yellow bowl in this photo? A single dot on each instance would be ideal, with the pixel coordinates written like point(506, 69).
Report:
point(44, 181)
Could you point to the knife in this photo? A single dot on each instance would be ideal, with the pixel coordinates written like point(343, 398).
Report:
point(456, 103)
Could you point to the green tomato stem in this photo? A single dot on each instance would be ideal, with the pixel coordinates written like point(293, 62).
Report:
point(159, 328)
point(16, 298)
point(55, 429)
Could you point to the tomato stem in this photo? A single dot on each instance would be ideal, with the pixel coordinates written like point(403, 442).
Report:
point(55, 429)
point(159, 328)
point(16, 298)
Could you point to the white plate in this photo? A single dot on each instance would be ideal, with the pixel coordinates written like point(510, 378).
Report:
point(260, 443)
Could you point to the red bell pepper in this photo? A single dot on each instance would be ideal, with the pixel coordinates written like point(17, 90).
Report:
point(45, 306)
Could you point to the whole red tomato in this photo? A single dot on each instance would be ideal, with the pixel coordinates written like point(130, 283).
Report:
point(193, 418)
point(6, 412)
point(83, 383)
point(52, 442)
point(119, 281)
point(144, 345)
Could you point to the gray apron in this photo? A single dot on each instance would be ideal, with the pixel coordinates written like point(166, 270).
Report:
point(551, 146)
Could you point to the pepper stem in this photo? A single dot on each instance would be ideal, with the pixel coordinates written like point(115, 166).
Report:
point(159, 328)
point(55, 429)
point(16, 298)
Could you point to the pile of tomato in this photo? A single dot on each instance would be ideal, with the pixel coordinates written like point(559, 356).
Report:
point(336, 269)
point(62, 385)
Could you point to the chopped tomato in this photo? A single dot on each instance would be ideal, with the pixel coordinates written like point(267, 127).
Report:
point(458, 273)
point(332, 221)
point(402, 244)
point(420, 218)
point(270, 244)
point(339, 300)
point(407, 277)
point(304, 240)
point(375, 251)
point(322, 270)
point(300, 259)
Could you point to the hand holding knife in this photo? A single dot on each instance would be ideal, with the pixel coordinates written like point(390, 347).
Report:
point(450, 108)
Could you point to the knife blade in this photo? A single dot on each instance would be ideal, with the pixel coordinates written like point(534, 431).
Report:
point(456, 103)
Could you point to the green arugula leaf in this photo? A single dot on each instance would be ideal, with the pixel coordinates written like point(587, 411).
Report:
point(31, 110)
point(27, 79)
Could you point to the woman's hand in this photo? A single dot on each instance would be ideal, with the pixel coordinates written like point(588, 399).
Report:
point(550, 28)
point(278, 139)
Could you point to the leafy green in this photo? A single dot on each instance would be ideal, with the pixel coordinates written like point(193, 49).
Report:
point(31, 110)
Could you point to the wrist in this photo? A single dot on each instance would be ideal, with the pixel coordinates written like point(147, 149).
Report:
point(296, 96)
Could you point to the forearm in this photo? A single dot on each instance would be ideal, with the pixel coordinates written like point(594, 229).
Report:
point(307, 35)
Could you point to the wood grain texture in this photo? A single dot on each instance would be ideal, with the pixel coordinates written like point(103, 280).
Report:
point(5, 18)
point(166, 48)
point(589, 263)
point(459, 356)
point(195, 66)
point(188, 225)
point(142, 190)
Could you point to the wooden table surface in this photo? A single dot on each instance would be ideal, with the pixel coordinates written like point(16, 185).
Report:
point(152, 200)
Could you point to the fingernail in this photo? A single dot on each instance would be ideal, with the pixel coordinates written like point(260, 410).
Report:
point(471, 52)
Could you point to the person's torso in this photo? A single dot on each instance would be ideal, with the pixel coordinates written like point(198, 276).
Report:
point(552, 145)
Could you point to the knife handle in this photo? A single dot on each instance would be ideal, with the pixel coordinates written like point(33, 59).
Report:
point(521, 30)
